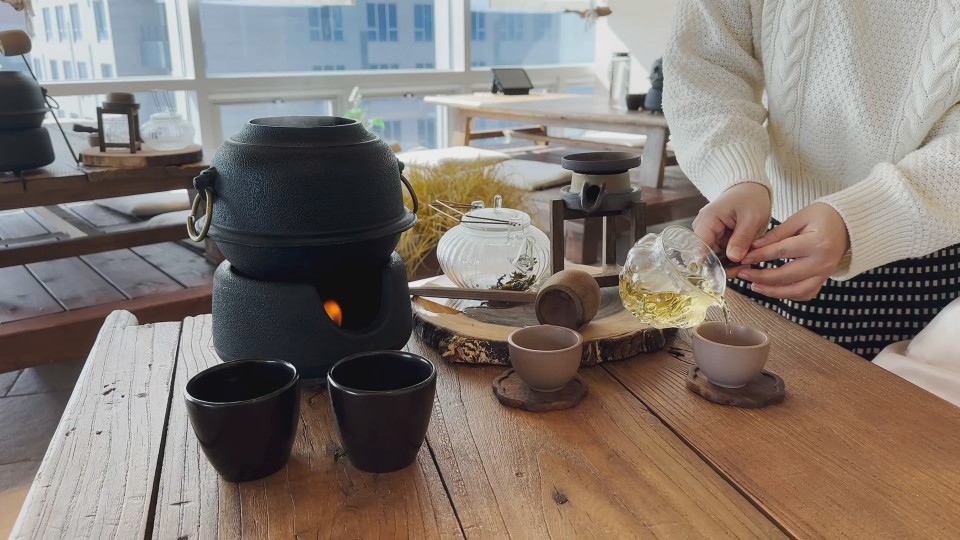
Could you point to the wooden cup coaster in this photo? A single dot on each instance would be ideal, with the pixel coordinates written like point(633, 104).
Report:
point(766, 389)
point(513, 392)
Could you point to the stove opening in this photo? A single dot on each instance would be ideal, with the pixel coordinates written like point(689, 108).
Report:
point(351, 299)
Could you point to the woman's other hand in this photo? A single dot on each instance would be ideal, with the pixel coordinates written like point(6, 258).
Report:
point(734, 220)
point(815, 238)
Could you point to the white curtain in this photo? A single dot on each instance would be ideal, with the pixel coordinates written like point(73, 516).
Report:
point(539, 5)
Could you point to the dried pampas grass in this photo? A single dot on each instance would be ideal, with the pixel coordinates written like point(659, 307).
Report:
point(449, 182)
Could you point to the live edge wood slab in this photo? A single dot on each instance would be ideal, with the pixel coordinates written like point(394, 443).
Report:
point(854, 452)
point(469, 333)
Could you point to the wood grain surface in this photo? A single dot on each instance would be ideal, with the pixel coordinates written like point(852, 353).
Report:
point(144, 158)
point(68, 335)
point(318, 495)
point(130, 273)
point(853, 451)
point(97, 478)
point(604, 469)
point(74, 284)
point(22, 297)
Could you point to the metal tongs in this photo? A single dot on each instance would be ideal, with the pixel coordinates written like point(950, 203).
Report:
point(454, 211)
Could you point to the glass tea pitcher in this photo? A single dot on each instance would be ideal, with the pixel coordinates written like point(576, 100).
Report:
point(669, 280)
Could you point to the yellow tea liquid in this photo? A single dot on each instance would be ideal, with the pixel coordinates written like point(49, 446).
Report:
point(666, 309)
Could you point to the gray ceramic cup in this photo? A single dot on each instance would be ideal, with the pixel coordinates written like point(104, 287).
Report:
point(730, 359)
point(545, 357)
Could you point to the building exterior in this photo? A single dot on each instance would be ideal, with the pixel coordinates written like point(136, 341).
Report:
point(105, 39)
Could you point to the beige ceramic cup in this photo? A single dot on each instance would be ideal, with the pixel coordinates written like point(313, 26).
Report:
point(545, 357)
point(733, 359)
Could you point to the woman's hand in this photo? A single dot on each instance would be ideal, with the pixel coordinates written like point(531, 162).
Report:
point(734, 220)
point(815, 238)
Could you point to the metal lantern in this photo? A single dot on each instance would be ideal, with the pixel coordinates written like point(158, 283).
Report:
point(121, 104)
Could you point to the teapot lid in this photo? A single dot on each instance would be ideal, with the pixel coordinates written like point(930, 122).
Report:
point(494, 219)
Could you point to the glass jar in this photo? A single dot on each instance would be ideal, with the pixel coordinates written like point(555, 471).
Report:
point(167, 131)
point(495, 248)
point(619, 76)
point(670, 279)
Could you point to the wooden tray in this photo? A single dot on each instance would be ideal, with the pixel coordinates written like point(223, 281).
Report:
point(121, 157)
point(469, 332)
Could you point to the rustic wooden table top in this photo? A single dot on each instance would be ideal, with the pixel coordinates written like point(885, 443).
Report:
point(64, 181)
point(551, 109)
point(853, 452)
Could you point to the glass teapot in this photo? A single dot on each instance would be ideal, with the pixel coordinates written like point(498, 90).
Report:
point(494, 248)
point(669, 280)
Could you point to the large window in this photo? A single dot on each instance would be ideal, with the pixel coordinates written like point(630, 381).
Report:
point(505, 37)
point(234, 115)
point(295, 38)
point(246, 58)
point(143, 44)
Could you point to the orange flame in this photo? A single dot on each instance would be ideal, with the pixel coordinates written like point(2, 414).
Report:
point(333, 310)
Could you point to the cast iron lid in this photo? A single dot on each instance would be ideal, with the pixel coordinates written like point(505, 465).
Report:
point(323, 133)
point(600, 162)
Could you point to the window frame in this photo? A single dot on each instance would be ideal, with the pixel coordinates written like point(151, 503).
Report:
point(205, 93)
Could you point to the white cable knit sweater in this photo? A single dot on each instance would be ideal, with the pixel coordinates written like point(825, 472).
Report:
point(862, 113)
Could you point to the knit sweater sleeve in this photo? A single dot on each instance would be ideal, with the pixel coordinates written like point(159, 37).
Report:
point(713, 86)
point(905, 209)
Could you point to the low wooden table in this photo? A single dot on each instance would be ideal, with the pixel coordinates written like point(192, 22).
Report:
point(853, 452)
point(64, 181)
point(563, 110)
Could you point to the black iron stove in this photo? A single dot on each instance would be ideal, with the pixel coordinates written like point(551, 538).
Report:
point(307, 212)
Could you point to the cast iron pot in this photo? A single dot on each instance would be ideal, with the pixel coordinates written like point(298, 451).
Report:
point(292, 195)
point(25, 149)
point(21, 102)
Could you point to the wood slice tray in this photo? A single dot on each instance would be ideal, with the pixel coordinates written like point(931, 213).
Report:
point(121, 157)
point(472, 332)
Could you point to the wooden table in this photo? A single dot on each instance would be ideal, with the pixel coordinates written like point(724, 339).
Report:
point(563, 110)
point(64, 181)
point(853, 452)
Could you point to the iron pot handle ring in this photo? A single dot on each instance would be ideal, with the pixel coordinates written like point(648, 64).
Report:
point(208, 212)
point(413, 194)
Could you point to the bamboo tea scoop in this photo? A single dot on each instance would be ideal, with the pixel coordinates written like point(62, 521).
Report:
point(570, 298)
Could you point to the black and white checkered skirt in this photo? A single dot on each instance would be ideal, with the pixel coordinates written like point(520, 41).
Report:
point(884, 305)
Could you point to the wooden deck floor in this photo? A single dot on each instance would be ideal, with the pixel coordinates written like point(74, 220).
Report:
point(66, 299)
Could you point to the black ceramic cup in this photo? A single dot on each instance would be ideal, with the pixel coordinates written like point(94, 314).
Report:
point(382, 401)
point(245, 415)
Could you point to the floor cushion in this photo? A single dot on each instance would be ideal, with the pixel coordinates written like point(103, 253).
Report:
point(454, 155)
point(169, 218)
point(532, 175)
point(148, 204)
